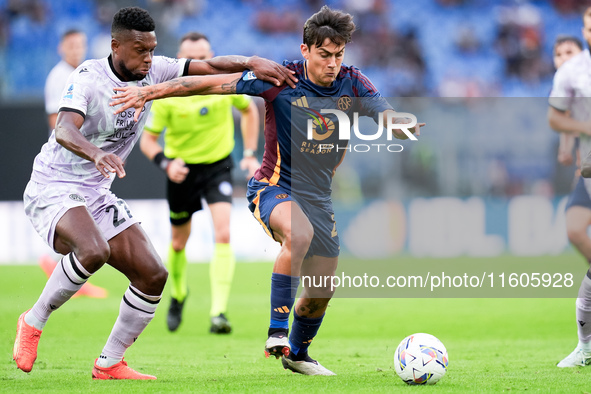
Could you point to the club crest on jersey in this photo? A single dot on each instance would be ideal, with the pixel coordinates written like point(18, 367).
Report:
point(344, 102)
point(70, 92)
point(76, 197)
point(249, 76)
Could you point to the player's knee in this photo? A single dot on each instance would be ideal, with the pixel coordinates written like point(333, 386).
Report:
point(178, 244)
point(156, 280)
point(93, 254)
point(300, 239)
point(222, 236)
point(576, 235)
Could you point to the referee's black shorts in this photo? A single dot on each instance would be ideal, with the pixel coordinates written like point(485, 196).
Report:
point(212, 182)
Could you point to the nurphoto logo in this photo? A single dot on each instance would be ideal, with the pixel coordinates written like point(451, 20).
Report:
point(319, 128)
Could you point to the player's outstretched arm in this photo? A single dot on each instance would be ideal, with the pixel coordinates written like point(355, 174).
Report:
point(136, 97)
point(565, 149)
point(264, 69)
point(249, 125)
point(67, 134)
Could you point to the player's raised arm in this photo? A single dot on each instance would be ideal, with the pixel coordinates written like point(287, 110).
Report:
point(136, 97)
point(264, 69)
point(67, 134)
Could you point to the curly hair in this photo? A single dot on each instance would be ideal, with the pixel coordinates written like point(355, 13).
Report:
point(335, 25)
point(132, 18)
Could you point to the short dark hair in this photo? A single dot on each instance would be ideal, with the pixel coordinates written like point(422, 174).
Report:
point(194, 36)
point(132, 18)
point(70, 33)
point(335, 25)
point(564, 38)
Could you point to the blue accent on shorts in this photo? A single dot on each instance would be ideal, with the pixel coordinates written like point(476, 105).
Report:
point(579, 196)
point(320, 214)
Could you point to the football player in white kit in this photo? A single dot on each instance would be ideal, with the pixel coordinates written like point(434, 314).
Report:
point(570, 112)
point(68, 198)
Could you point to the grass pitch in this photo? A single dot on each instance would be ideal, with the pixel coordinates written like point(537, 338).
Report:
point(493, 344)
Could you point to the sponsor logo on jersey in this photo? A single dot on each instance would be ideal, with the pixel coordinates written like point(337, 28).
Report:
point(281, 196)
point(301, 102)
point(84, 70)
point(249, 75)
point(70, 92)
point(170, 60)
point(321, 127)
point(77, 197)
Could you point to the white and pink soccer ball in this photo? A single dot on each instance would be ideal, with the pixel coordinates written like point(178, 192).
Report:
point(420, 359)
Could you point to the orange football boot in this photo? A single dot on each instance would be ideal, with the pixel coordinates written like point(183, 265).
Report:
point(25, 344)
point(118, 371)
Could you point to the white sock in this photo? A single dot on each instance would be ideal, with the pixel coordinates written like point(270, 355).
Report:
point(135, 313)
point(66, 279)
point(583, 307)
point(586, 347)
point(106, 362)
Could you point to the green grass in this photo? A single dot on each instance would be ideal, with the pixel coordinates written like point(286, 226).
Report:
point(493, 344)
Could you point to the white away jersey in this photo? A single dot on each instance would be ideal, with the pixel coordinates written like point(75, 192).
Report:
point(88, 91)
point(54, 85)
point(571, 92)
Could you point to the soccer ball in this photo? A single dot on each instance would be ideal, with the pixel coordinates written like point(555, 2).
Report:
point(420, 359)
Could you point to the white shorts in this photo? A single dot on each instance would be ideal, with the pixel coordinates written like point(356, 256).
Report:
point(45, 204)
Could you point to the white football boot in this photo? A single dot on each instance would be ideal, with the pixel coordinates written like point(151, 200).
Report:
point(308, 366)
point(578, 358)
point(277, 345)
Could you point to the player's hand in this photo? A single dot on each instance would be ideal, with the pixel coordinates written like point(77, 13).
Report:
point(109, 163)
point(129, 96)
point(250, 164)
point(416, 130)
point(270, 71)
point(177, 171)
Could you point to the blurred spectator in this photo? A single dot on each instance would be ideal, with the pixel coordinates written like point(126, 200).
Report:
point(4, 29)
point(100, 43)
point(72, 50)
point(273, 22)
point(466, 41)
point(498, 178)
point(34, 9)
point(169, 13)
point(520, 43)
point(570, 6)
point(452, 3)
